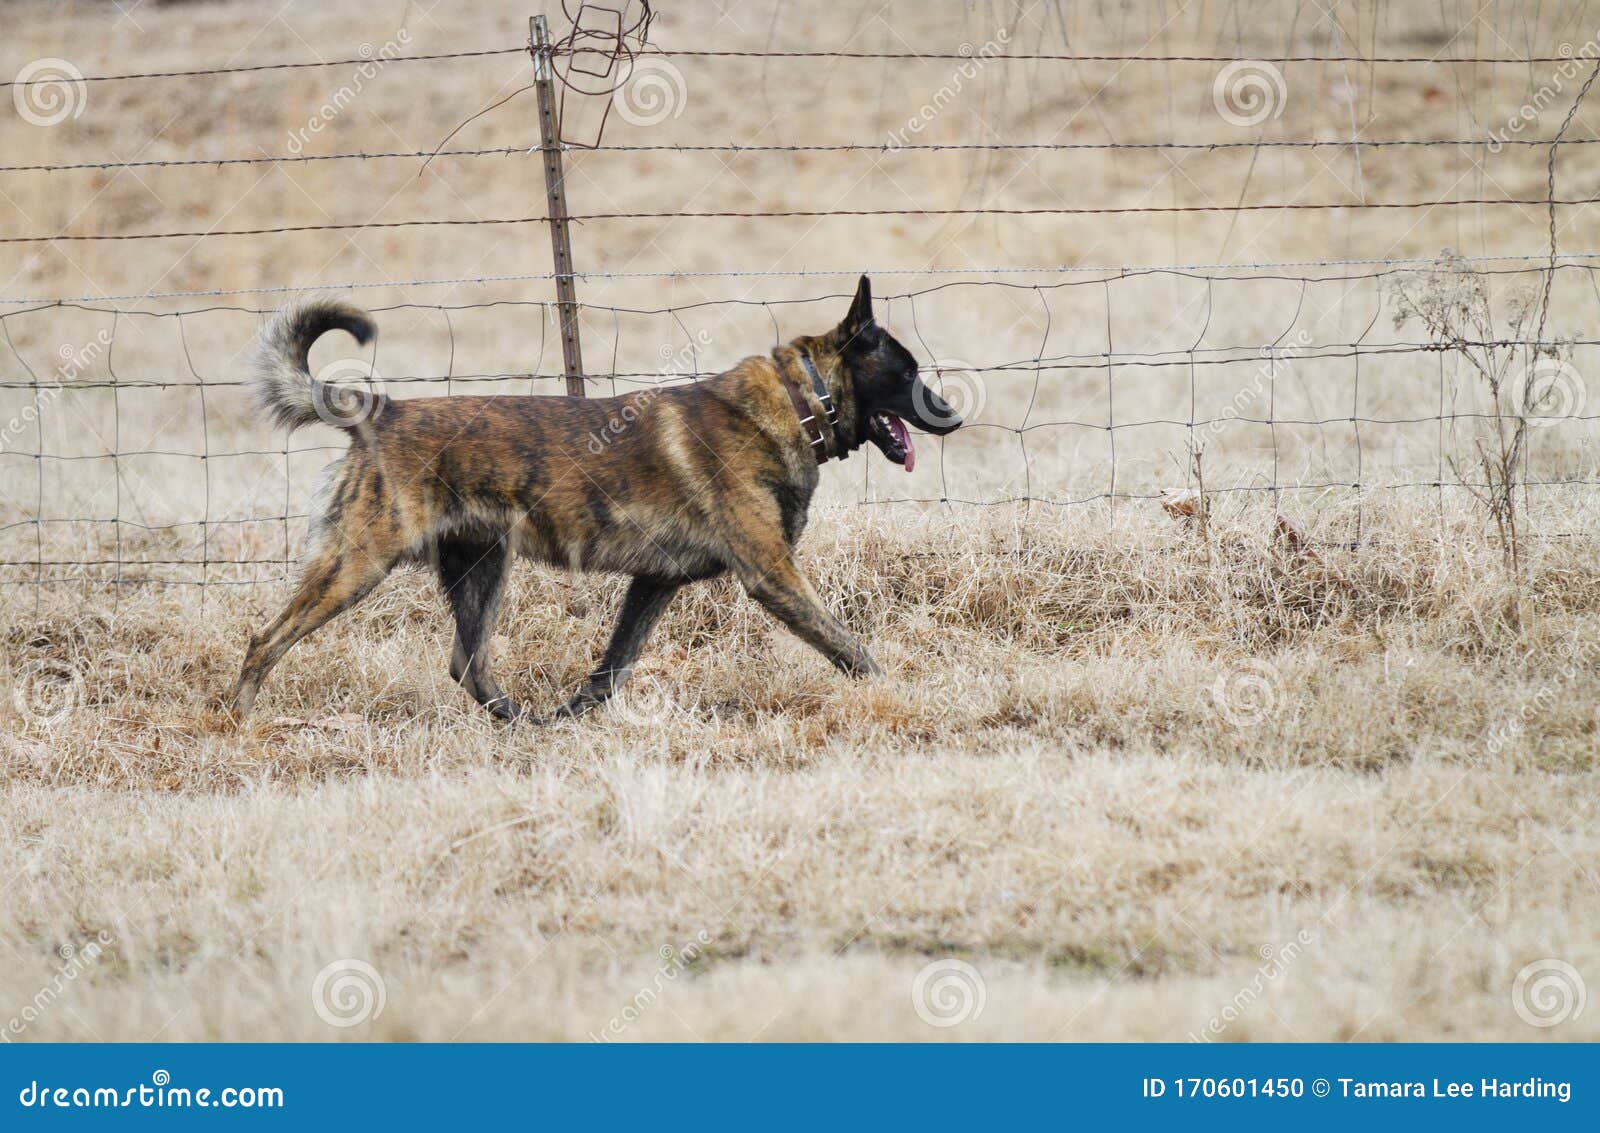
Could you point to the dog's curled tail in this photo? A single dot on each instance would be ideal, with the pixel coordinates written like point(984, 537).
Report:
point(281, 367)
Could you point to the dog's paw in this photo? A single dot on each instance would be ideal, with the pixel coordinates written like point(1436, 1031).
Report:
point(865, 666)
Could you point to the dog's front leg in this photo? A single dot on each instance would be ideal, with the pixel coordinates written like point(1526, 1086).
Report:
point(642, 607)
point(786, 594)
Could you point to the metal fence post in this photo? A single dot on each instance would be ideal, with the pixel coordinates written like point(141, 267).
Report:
point(555, 191)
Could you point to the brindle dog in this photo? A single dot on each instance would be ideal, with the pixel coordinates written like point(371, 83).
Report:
point(668, 485)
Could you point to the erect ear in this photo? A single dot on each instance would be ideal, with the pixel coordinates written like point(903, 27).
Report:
point(860, 316)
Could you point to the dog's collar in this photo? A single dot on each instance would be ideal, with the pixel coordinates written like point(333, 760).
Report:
point(819, 430)
point(820, 388)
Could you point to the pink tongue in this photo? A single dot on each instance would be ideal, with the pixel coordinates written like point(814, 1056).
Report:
point(901, 434)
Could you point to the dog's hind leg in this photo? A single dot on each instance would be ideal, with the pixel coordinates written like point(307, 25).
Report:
point(642, 607)
point(472, 573)
point(336, 578)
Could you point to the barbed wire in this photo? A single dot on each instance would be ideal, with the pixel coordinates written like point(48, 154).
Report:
point(971, 55)
point(884, 147)
point(905, 56)
point(250, 68)
point(778, 214)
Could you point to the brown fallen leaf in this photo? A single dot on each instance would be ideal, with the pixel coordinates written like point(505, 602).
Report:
point(1290, 531)
point(1181, 505)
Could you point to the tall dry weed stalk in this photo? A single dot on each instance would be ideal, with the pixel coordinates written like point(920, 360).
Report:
point(1453, 304)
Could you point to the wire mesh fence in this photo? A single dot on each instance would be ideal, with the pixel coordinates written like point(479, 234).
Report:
point(1310, 387)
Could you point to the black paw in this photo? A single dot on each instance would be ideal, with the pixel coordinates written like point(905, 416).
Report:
point(506, 710)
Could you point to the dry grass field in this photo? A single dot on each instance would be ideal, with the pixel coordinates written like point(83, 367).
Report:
point(1125, 778)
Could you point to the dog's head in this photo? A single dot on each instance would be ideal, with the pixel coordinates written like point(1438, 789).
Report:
point(882, 376)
